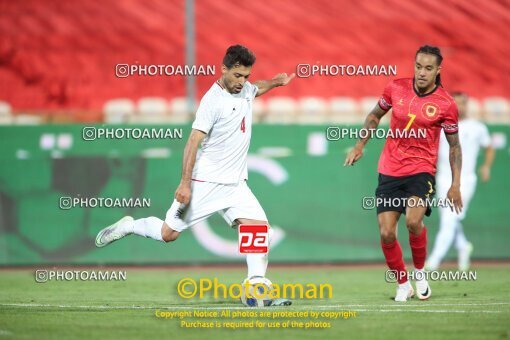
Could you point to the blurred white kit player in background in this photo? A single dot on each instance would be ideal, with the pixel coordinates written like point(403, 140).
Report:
point(214, 178)
point(473, 135)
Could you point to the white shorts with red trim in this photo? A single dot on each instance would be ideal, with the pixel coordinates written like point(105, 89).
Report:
point(231, 201)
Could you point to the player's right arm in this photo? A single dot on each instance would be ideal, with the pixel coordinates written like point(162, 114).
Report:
point(183, 192)
point(371, 122)
point(207, 114)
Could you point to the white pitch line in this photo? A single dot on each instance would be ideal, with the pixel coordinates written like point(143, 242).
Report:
point(424, 311)
point(421, 304)
point(30, 305)
point(237, 307)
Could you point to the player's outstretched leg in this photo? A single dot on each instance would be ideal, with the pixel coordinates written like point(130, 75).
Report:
point(151, 227)
point(393, 253)
point(114, 232)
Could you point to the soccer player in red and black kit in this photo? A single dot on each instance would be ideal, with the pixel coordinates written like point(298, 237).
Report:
point(407, 166)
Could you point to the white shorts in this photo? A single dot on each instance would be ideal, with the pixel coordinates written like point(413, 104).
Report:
point(231, 201)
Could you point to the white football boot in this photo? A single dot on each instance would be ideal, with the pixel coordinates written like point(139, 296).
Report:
point(404, 292)
point(114, 232)
point(423, 290)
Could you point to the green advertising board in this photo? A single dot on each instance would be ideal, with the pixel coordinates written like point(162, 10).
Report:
point(312, 200)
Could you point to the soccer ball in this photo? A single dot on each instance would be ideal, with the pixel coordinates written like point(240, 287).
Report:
point(256, 291)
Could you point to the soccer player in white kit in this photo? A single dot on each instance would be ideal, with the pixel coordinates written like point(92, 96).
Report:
point(214, 179)
point(473, 135)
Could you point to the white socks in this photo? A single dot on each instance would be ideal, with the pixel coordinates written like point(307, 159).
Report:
point(257, 263)
point(148, 227)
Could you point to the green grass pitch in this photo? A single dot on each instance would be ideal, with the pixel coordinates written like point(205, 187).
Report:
point(126, 309)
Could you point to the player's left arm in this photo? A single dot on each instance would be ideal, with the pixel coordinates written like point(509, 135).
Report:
point(456, 166)
point(280, 79)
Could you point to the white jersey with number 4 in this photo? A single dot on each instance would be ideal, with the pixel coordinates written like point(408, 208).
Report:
point(226, 119)
point(472, 135)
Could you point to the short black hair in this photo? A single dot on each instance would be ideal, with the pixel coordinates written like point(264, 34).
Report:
point(238, 55)
point(434, 50)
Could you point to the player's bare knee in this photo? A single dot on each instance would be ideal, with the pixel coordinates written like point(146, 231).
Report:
point(239, 221)
point(387, 230)
point(168, 234)
point(250, 221)
point(413, 224)
point(388, 235)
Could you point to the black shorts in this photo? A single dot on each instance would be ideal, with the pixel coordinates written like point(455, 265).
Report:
point(392, 193)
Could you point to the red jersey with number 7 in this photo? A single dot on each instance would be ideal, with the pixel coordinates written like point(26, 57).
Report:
point(410, 152)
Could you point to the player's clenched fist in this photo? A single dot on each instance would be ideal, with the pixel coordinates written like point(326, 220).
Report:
point(183, 193)
point(353, 156)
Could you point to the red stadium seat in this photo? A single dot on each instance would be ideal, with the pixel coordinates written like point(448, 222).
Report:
point(62, 55)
